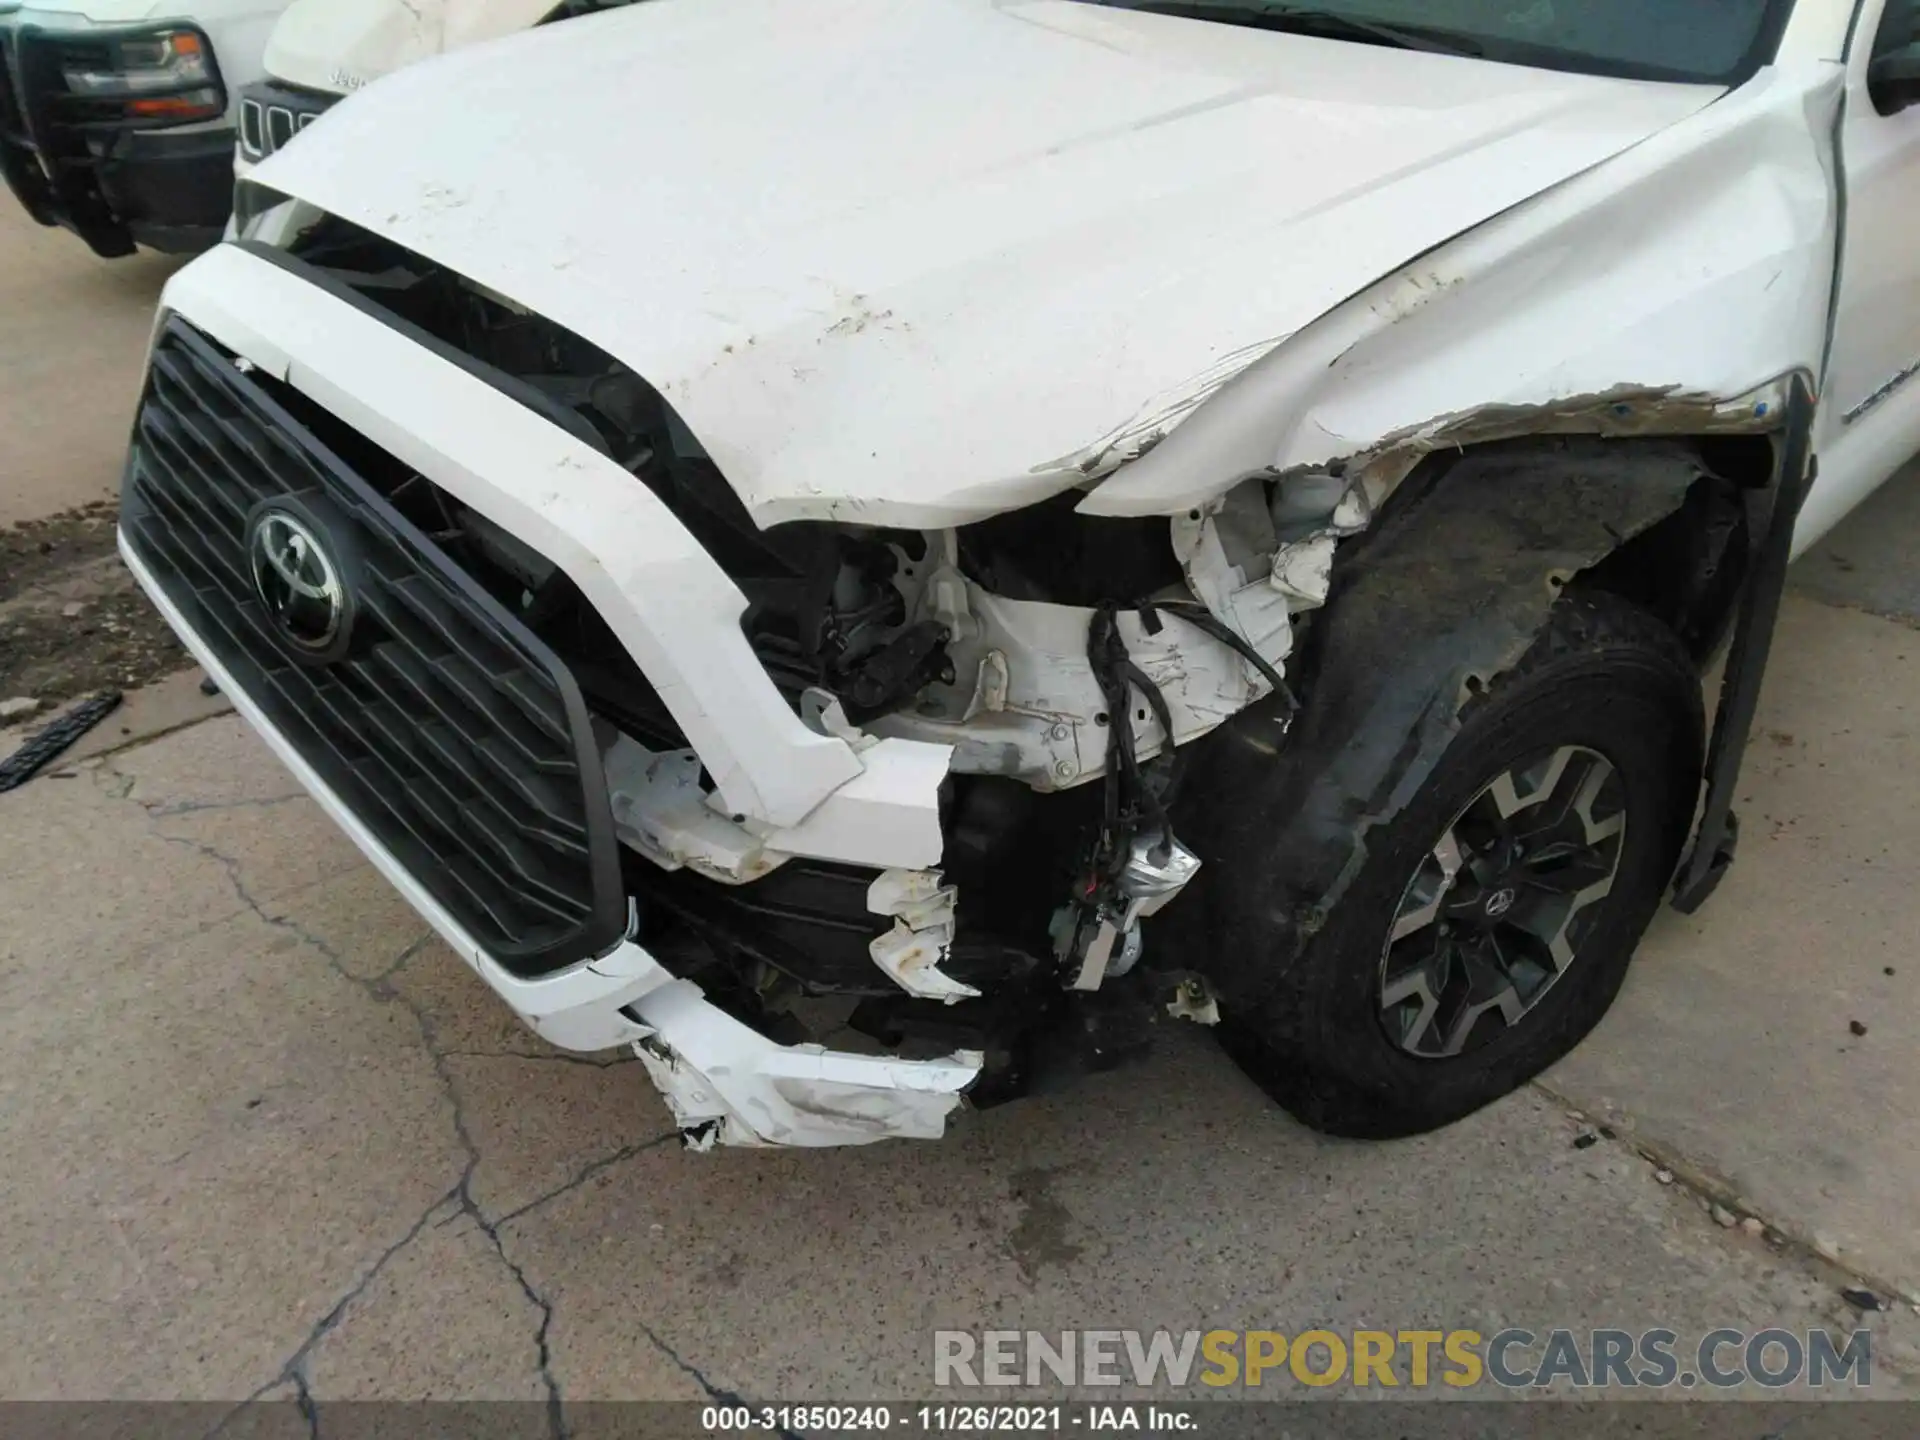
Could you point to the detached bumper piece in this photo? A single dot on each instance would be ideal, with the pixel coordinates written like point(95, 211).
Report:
point(50, 742)
point(86, 163)
point(727, 1084)
point(452, 733)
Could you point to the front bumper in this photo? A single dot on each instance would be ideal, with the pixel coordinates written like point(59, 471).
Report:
point(724, 1081)
point(115, 187)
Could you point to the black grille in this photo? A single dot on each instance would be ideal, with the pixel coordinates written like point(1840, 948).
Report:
point(455, 736)
point(272, 114)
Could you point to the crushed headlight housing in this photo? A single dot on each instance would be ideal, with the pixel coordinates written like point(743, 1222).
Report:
point(166, 77)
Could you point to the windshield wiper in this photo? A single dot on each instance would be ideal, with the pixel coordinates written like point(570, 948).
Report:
point(1304, 20)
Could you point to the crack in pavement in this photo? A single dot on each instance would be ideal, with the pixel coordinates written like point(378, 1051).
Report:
point(125, 784)
point(303, 1397)
point(406, 957)
point(1693, 1178)
point(558, 1057)
point(556, 1415)
point(694, 1373)
point(377, 988)
point(294, 1370)
point(161, 811)
point(587, 1172)
point(460, 1195)
point(713, 1391)
point(687, 1368)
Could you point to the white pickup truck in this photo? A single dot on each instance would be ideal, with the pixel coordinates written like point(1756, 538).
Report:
point(876, 550)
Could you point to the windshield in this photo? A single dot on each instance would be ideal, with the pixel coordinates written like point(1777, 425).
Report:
point(1713, 41)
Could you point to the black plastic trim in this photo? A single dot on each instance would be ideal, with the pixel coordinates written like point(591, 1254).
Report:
point(1718, 833)
point(1760, 52)
point(512, 386)
point(303, 107)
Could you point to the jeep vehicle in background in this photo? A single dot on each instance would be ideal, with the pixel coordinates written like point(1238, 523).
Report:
point(127, 122)
point(117, 117)
point(876, 550)
point(324, 49)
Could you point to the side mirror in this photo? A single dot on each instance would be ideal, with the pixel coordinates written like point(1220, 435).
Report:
point(1893, 79)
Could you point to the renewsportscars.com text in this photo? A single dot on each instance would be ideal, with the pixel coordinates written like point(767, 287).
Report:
point(1513, 1359)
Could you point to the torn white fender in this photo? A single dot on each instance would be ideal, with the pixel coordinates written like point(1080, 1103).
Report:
point(888, 814)
point(1668, 291)
point(660, 810)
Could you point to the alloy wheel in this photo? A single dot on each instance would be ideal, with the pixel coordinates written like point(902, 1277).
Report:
point(1496, 912)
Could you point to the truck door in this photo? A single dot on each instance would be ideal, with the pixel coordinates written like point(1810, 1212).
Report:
point(1870, 410)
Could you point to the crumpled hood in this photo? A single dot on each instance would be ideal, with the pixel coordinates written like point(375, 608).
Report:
point(914, 262)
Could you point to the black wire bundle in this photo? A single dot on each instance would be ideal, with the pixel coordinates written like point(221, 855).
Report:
point(1131, 804)
point(1129, 801)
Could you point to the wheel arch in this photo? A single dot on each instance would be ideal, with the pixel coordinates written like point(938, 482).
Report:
point(1444, 593)
point(1690, 568)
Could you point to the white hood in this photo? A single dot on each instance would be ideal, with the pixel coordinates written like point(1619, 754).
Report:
point(898, 261)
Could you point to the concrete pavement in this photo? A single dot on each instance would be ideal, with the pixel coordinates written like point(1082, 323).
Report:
point(1770, 1043)
point(262, 1135)
point(70, 362)
point(259, 1127)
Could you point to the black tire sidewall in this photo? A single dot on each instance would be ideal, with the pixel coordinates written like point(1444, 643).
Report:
point(1637, 705)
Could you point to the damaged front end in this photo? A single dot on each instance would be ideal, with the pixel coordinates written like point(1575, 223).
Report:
point(905, 815)
point(1065, 718)
point(943, 883)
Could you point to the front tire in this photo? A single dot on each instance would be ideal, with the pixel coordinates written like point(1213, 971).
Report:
point(1495, 914)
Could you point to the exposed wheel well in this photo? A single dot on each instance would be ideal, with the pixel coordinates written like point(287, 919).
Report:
point(1687, 569)
point(1690, 568)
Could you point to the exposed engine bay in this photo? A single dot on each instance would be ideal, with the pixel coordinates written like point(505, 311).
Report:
point(1064, 658)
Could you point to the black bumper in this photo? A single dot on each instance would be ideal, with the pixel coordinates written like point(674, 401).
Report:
point(115, 186)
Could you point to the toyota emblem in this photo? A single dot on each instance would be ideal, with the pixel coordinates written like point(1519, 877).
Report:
point(298, 581)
